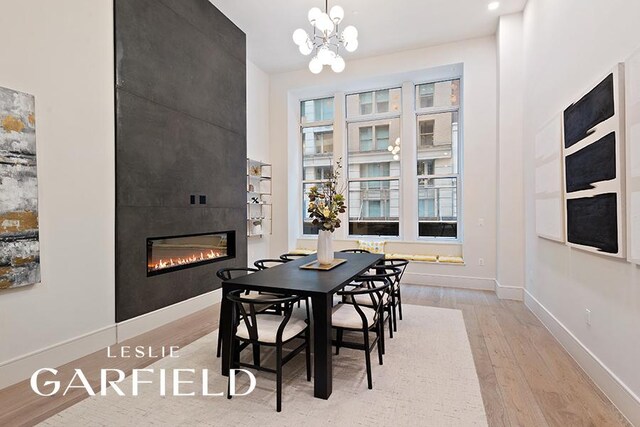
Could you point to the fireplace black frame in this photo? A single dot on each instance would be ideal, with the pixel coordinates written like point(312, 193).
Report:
point(231, 251)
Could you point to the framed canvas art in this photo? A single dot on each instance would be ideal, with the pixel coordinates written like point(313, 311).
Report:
point(632, 116)
point(548, 181)
point(593, 152)
point(19, 238)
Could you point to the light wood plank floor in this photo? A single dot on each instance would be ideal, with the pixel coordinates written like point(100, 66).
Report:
point(526, 377)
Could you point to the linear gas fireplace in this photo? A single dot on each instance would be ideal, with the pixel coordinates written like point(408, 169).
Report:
point(170, 253)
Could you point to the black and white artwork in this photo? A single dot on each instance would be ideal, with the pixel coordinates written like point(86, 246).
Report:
point(593, 142)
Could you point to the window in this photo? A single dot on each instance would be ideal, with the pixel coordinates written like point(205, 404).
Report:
point(373, 170)
point(426, 167)
point(381, 101)
point(425, 95)
point(437, 106)
point(426, 133)
point(367, 141)
point(378, 195)
point(316, 110)
point(366, 138)
point(366, 103)
point(445, 94)
point(316, 130)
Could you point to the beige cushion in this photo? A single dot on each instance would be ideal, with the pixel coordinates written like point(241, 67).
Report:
point(302, 252)
point(425, 258)
point(451, 259)
point(346, 316)
point(373, 246)
point(365, 299)
point(268, 325)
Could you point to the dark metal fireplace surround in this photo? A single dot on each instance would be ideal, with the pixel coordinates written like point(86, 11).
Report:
point(180, 150)
point(171, 253)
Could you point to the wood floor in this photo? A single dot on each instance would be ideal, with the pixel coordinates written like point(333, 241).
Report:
point(526, 377)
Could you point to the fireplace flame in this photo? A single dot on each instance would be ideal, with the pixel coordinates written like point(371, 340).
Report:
point(172, 262)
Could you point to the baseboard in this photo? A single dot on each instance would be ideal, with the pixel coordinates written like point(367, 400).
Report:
point(21, 368)
point(627, 402)
point(515, 293)
point(449, 281)
point(147, 322)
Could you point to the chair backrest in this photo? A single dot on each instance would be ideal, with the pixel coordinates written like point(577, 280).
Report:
point(356, 251)
point(263, 264)
point(232, 273)
point(391, 263)
point(373, 285)
point(291, 257)
point(244, 310)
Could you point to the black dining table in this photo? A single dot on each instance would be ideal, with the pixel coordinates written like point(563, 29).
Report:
point(319, 286)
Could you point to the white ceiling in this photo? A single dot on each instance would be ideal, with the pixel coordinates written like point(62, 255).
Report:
point(384, 26)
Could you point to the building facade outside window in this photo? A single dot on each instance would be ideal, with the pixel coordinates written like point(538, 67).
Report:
point(316, 128)
point(437, 113)
point(373, 171)
point(373, 123)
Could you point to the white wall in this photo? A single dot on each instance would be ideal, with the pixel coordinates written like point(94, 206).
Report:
point(478, 57)
point(510, 237)
point(257, 141)
point(62, 52)
point(569, 46)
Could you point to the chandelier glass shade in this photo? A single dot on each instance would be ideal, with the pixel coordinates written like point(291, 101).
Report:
point(326, 41)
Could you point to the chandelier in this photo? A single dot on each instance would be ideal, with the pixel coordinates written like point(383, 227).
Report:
point(326, 40)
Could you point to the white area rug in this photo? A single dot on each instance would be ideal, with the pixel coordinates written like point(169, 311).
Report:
point(428, 379)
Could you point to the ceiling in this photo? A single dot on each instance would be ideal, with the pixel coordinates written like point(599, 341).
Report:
point(384, 26)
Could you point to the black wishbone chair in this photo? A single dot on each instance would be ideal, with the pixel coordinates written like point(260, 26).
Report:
point(356, 251)
point(396, 294)
point(291, 257)
point(231, 273)
point(263, 264)
point(352, 316)
point(392, 274)
point(273, 330)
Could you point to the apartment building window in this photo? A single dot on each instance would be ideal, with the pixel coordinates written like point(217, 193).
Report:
point(437, 115)
point(316, 130)
point(374, 102)
point(426, 133)
point(373, 170)
point(374, 138)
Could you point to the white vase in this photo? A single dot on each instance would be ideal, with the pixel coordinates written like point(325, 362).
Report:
point(325, 247)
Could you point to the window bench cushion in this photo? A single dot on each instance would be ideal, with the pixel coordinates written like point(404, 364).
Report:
point(441, 259)
point(450, 260)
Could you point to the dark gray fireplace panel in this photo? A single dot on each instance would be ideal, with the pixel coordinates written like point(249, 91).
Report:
point(180, 135)
point(169, 155)
point(163, 57)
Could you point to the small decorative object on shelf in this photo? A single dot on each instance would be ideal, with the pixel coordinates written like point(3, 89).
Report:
point(255, 170)
point(258, 198)
point(326, 202)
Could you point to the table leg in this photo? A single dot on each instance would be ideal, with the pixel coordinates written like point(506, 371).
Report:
point(322, 362)
point(225, 329)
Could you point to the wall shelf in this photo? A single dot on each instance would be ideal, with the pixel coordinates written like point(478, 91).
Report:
point(258, 198)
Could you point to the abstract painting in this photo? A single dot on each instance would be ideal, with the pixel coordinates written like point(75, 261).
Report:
point(593, 130)
point(632, 112)
point(549, 194)
point(19, 240)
